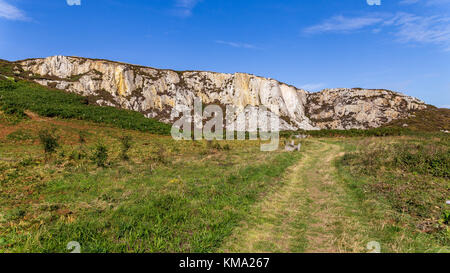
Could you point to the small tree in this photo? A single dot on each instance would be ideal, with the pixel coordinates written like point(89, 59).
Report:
point(49, 141)
point(126, 145)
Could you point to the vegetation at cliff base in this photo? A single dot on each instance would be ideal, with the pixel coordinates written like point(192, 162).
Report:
point(18, 97)
point(373, 132)
point(427, 120)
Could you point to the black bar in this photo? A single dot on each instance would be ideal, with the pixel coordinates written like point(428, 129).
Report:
point(228, 262)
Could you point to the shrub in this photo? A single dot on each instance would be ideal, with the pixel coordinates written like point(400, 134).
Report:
point(126, 145)
point(209, 144)
point(77, 155)
point(216, 146)
point(15, 111)
point(431, 159)
point(423, 159)
point(81, 137)
point(161, 155)
point(100, 155)
point(20, 135)
point(49, 141)
point(446, 217)
point(28, 162)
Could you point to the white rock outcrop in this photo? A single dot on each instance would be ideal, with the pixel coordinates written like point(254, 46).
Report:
point(156, 92)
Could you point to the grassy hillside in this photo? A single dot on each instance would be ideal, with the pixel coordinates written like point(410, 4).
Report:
point(18, 96)
point(428, 120)
point(6, 68)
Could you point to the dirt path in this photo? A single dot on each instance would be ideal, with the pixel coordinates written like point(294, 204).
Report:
point(308, 213)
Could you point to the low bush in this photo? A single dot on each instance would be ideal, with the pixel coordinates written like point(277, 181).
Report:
point(423, 159)
point(20, 135)
point(429, 159)
point(76, 155)
point(49, 141)
point(81, 137)
point(446, 217)
point(161, 155)
point(125, 142)
point(100, 155)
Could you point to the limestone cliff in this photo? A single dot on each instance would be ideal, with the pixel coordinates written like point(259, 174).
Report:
point(155, 92)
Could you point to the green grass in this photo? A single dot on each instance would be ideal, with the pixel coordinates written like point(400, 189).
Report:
point(186, 197)
point(186, 215)
point(402, 186)
point(170, 196)
point(17, 97)
point(6, 68)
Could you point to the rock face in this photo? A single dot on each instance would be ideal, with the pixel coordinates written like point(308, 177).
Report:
point(358, 108)
point(156, 92)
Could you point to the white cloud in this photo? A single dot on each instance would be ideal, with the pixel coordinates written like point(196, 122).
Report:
point(313, 86)
point(74, 2)
point(183, 8)
point(420, 29)
point(237, 45)
point(408, 28)
point(10, 12)
point(344, 24)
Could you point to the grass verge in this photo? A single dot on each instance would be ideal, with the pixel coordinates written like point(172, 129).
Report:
point(400, 193)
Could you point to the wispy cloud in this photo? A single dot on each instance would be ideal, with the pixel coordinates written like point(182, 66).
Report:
point(313, 86)
point(408, 28)
point(10, 12)
point(237, 45)
point(183, 8)
point(340, 23)
point(420, 29)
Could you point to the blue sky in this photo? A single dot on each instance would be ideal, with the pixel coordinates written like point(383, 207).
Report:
point(402, 45)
